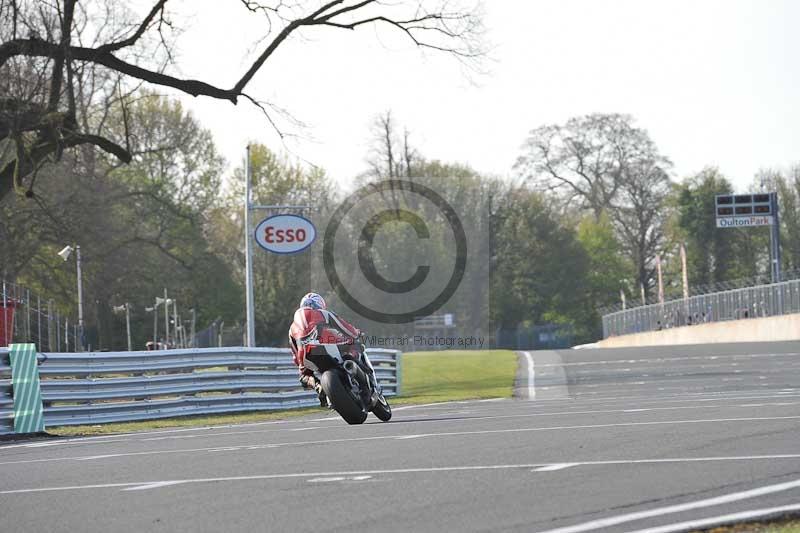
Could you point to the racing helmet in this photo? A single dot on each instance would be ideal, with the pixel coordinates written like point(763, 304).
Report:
point(313, 300)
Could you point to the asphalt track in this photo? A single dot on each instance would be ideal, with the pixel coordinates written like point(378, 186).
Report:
point(661, 439)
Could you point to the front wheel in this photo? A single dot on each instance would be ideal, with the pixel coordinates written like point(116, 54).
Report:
point(382, 409)
point(341, 399)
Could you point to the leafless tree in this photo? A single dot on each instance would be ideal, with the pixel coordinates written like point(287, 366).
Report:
point(587, 160)
point(47, 44)
point(604, 163)
point(391, 154)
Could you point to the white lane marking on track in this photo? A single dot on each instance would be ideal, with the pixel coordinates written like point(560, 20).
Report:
point(679, 508)
point(531, 376)
point(396, 437)
point(435, 404)
point(338, 478)
point(103, 439)
point(673, 398)
point(371, 473)
point(683, 358)
point(553, 468)
point(721, 520)
point(156, 485)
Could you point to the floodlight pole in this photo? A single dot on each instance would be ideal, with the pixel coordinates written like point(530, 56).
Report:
point(248, 244)
point(166, 320)
point(155, 324)
point(80, 297)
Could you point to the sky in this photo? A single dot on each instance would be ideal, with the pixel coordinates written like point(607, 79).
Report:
point(715, 83)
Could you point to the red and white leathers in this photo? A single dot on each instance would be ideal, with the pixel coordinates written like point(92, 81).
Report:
point(331, 330)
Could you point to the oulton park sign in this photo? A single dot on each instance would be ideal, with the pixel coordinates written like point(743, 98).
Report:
point(745, 210)
point(744, 222)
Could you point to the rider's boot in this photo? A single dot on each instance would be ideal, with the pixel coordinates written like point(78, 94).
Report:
point(310, 382)
point(321, 396)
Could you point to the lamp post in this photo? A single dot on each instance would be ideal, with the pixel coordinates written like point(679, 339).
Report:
point(127, 309)
point(166, 301)
point(64, 254)
point(154, 310)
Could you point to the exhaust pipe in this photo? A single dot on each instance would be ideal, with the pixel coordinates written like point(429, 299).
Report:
point(354, 370)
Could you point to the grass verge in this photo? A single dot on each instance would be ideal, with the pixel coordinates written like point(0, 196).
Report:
point(457, 375)
point(785, 525)
point(427, 377)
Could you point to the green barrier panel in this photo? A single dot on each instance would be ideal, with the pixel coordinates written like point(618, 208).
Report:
point(28, 415)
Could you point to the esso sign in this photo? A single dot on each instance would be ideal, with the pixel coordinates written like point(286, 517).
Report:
point(285, 234)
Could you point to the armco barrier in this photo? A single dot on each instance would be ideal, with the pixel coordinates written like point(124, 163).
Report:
point(6, 399)
point(98, 387)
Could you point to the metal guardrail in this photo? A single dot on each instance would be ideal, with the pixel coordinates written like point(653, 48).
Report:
point(6, 399)
point(752, 302)
point(100, 387)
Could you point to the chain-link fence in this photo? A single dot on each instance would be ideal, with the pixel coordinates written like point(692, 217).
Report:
point(217, 335)
point(27, 317)
point(751, 302)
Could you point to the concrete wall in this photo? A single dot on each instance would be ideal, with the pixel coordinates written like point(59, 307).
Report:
point(774, 328)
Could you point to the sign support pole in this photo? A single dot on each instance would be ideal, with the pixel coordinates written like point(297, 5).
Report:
point(248, 243)
point(775, 241)
point(250, 334)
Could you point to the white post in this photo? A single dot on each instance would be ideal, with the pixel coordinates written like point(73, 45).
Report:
point(166, 320)
point(194, 320)
point(155, 324)
point(128, 323)
point(175, 320)
point(79, 342)
point(248, 243)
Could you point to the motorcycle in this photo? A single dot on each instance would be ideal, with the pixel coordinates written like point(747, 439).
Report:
point(348, 380)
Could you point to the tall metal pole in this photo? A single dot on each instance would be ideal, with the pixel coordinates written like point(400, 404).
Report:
point(80, 299)
point(248, 244)
point(155, 324)
point(175, 321)
point(775, 240)
point(128, 324)
point(166, 320)
point(194, 320)
point(39, 340)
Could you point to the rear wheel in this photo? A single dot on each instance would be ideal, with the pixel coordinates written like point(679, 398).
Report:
point(382, 409)
point(342, 399)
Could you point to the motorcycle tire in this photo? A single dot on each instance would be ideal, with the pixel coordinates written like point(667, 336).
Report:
point(341, 399)
point(382, 409)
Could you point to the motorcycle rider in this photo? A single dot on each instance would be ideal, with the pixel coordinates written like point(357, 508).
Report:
point(313, 317)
